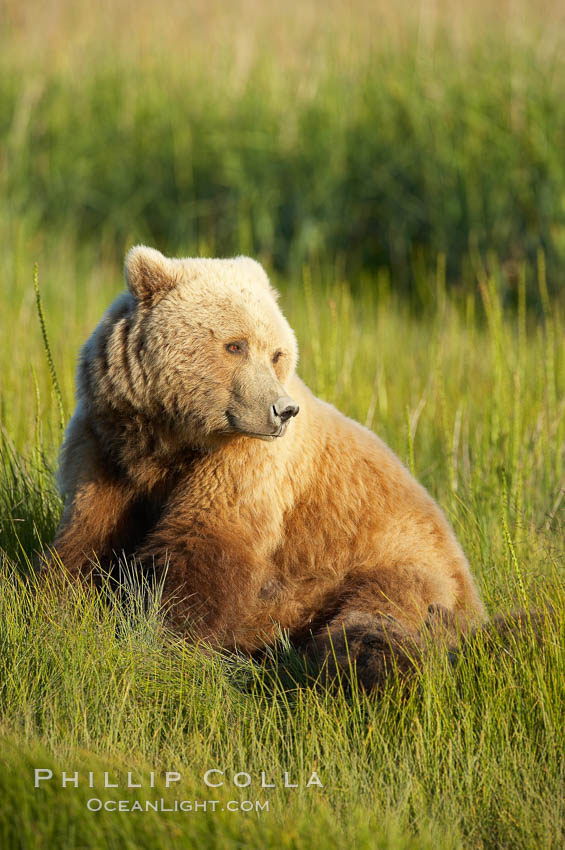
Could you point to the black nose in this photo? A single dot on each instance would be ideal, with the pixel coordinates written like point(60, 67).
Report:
point(285, 408)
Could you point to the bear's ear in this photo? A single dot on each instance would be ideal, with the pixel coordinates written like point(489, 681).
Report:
point(149, 275)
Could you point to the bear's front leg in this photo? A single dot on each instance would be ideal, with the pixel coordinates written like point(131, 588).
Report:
point(94, 525)
point(212, 578)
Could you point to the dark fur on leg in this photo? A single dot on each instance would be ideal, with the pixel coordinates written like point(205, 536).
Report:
point(369, 648)
point(374, 649)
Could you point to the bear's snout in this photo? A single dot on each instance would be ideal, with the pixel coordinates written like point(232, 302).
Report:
point(283, 409)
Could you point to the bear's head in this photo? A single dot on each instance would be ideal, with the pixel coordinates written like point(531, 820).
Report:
point(199, 346)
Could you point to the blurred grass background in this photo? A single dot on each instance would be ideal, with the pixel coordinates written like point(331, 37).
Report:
point(352, 132)
point(399, 170)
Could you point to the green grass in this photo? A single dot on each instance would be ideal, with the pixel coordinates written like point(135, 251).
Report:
point(402, 178)
point(468, 758)
point(377, 158)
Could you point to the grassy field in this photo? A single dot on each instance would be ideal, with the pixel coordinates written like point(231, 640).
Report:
point(370, 139)
point(400, 173)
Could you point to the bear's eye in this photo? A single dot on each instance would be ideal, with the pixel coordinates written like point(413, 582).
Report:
point(238, 347)
point(277, 356)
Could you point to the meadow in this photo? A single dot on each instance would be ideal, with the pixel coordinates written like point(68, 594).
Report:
point(400, 174)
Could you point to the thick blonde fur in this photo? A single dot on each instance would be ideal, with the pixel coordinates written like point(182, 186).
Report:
point(318, 528)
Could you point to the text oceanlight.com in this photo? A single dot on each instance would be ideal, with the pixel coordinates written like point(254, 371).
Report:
point(161, 805)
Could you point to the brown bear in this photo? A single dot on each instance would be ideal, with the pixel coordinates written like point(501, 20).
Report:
point(196, 448)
